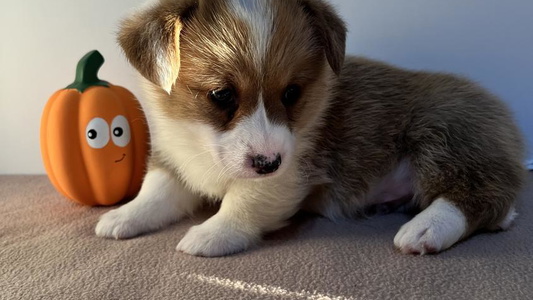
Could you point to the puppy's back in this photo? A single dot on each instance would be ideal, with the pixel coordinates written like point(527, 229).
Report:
point(441, 123)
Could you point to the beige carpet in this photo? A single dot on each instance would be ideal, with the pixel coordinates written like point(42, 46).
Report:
point(48, 250)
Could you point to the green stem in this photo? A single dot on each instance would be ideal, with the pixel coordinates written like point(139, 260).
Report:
point(87, 72)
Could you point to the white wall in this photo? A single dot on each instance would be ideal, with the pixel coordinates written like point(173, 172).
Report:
point(490, 41)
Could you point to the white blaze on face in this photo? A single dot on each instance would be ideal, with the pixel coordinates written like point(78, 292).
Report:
point(257, 14)
point(252, 136)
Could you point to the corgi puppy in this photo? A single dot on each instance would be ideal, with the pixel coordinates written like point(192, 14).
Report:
point(253, 104)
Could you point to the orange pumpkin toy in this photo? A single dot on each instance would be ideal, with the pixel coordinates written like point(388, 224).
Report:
point(94, 138)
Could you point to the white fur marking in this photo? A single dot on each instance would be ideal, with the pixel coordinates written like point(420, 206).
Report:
point(258, 15)
point(252, 136)
point(436, 228)
point(260, 289)
point(160, 202)
point(192, 147)
point(216, 237)
point(509, 218)
point(164, 70)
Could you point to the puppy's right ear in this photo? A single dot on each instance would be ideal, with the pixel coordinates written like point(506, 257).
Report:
point(330, 29)
point(150, 40)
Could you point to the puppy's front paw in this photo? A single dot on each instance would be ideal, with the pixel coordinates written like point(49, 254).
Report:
point(436, 228)
point(117, 224)
point(214, 238)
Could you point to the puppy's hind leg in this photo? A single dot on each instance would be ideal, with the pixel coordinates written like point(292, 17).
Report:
point(458, 198)
point(161, 201)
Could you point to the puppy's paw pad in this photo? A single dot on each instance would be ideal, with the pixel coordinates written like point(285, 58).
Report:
point(210, 240)
point(116, 224)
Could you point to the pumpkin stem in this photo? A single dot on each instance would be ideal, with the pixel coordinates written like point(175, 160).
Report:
point(87, 72)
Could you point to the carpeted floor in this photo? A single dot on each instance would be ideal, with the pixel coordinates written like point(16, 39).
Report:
point(48, 250)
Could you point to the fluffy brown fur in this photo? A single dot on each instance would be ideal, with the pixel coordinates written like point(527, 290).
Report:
point(460, 140)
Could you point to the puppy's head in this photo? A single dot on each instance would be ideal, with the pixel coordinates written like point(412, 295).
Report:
point(255, 72)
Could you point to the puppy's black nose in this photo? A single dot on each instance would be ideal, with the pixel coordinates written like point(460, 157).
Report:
point(263, 165)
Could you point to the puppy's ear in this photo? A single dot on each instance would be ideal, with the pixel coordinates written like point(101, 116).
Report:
point(330, 29)
point(150, 40)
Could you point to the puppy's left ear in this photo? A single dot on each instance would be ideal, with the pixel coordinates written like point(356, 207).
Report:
point(330, 29)
point(150, 40)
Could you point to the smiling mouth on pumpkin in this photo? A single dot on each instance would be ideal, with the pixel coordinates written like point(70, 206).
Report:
point(123, 156)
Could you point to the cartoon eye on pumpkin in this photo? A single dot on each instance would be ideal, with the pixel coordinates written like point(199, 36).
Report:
point(97, 133)
point(120, 130)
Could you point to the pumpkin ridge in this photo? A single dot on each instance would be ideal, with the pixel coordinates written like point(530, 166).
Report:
point(141, 147)
point(78, 193)
point(44, 146)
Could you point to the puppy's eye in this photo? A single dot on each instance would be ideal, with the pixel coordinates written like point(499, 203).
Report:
point(224, 98)
point(291, 95)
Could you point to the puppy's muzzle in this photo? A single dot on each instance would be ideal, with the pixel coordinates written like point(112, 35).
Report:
point(264, 165)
